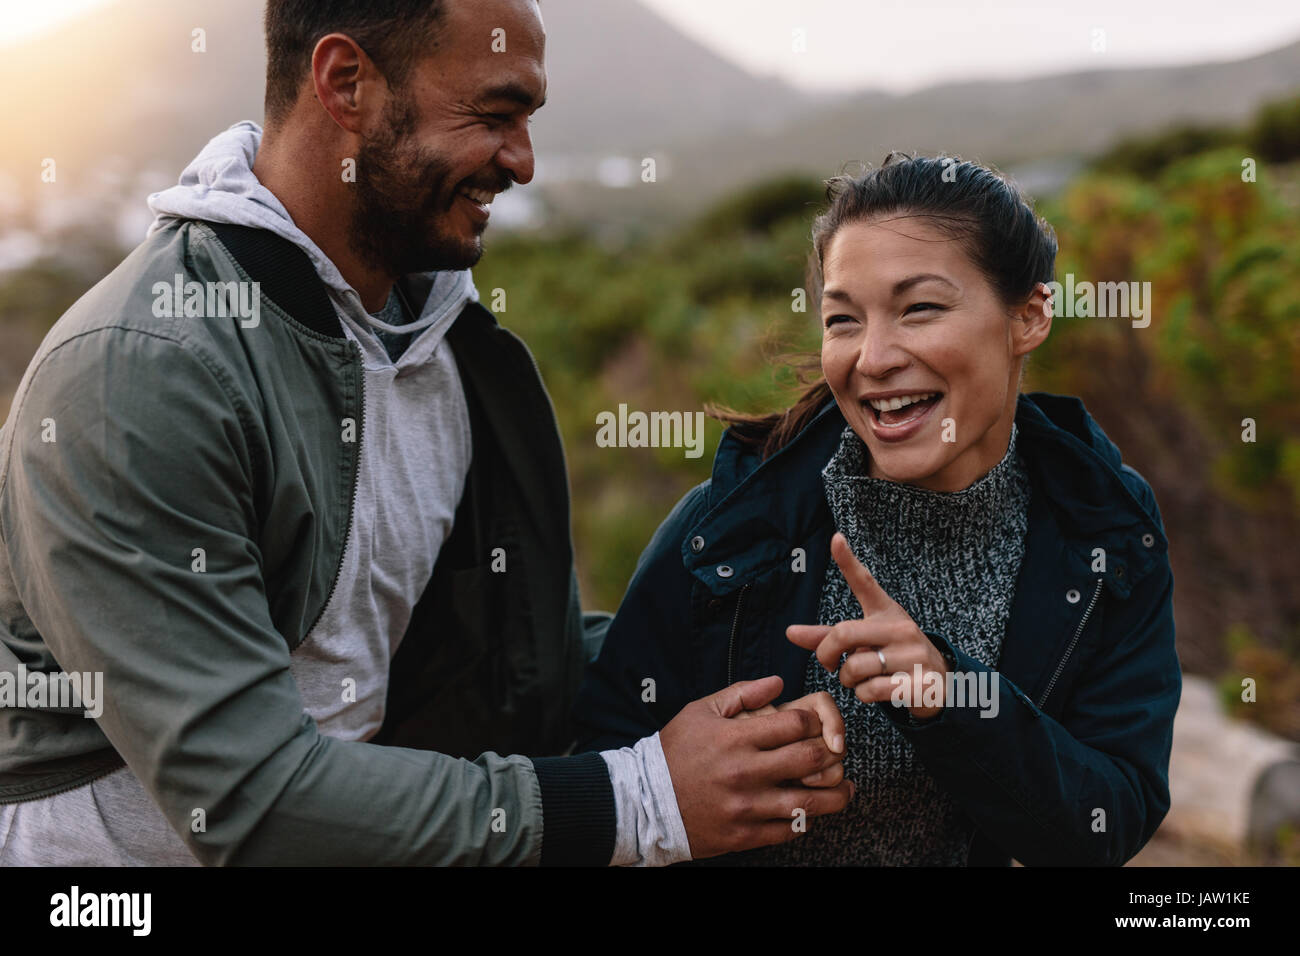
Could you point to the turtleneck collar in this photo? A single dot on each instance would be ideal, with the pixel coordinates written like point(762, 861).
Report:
point(904, 506)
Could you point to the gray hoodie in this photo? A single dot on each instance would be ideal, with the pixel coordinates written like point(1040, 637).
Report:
point(416, 448)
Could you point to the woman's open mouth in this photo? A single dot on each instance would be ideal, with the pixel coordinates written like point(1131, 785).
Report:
point(900, 417)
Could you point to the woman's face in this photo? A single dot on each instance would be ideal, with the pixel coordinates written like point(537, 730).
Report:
point(907, 315)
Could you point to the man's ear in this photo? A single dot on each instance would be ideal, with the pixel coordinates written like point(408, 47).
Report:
point(346, 81)
point(1032, 322)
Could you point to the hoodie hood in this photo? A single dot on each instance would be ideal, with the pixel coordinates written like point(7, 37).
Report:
point(219, 186)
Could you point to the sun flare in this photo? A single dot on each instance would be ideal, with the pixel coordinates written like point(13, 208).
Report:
point(21, 20)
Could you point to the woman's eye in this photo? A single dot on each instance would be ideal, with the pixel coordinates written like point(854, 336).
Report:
point(923, 306)
point(833, 319)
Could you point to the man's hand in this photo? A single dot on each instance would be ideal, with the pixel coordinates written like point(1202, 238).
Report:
point(884, 646)
point(823, 705)
point(729, 775)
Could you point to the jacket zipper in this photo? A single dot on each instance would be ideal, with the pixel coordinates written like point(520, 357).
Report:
point(1074, 640)
point(735, 632)
point(352, 502)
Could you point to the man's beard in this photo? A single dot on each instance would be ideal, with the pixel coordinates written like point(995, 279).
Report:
point(400, 203)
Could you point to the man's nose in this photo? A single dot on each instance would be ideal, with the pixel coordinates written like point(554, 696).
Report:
point(516, 155)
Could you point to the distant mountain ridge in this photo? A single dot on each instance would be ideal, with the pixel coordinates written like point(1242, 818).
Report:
point(1042, 128)
point(121, 102)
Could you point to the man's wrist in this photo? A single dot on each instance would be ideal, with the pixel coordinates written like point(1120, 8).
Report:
point(649, 828)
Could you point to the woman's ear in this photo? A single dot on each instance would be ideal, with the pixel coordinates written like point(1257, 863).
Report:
point(1032, 322)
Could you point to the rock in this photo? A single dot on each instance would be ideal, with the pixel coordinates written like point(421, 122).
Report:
point(1274, 804)
point(1230, 782)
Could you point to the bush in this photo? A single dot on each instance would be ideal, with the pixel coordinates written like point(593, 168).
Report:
point(1275, 133)
point(1147, 156)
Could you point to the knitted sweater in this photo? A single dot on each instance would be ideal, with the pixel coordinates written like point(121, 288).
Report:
point(951, 561)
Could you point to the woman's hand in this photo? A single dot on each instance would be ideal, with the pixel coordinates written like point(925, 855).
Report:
point(823, 705)
point(885, 632)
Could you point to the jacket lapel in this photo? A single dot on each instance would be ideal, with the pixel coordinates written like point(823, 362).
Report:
point(1042, 619)
point(499, 373)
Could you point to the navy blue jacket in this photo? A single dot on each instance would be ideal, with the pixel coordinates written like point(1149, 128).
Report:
point(1089, 678)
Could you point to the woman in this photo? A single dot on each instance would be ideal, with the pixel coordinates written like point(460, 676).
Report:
point(992, 549)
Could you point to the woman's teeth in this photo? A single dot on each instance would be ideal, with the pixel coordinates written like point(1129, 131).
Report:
point(902, 401)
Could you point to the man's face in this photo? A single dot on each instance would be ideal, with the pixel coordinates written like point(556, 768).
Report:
point(451, 138)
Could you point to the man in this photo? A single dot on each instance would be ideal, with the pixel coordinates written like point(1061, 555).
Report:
point(291, 491)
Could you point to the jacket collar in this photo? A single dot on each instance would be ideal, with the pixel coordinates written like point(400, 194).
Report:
point(762, 510)
point(496, 369)
point(285, 274)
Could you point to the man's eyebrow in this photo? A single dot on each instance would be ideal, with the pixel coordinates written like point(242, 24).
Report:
point(902, 285)
point(515, 93)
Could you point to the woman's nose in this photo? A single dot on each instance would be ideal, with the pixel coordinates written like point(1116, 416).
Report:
point(879, 354)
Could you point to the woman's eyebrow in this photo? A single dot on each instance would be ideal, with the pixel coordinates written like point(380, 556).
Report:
point(902, 285)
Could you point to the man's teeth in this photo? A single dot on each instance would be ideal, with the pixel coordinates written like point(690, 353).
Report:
point(483, 197)
point(902, 401)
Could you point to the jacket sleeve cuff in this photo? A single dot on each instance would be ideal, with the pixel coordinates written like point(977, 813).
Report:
point(955, 722)
point(902, 717)
point(578, 817)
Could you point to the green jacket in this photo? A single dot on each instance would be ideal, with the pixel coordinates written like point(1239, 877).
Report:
point(134, 440)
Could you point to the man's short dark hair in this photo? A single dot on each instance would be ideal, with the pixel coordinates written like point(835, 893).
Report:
point(394, 33)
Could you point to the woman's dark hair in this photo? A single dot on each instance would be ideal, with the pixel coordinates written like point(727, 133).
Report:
point(1013, 247)
point(394, 33)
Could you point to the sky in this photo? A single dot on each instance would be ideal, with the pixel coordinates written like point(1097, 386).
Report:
point(902, 45)
point(20, 19)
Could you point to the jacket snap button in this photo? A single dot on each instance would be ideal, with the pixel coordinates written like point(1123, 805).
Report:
point(1119, 572)
point(724, 571)
point(1072, 596)
point(697, 544)
point(1148, 539)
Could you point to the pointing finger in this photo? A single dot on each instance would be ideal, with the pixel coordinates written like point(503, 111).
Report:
point(871, 596)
